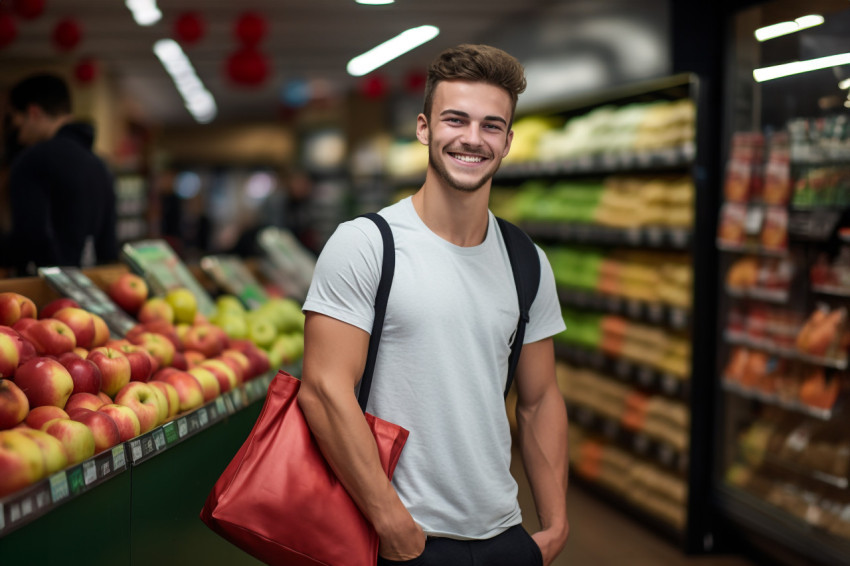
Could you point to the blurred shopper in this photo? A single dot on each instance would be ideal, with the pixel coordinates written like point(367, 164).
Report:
point(442, 363)
point(61, 194)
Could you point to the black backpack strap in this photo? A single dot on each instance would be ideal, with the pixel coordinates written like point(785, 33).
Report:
point(381, 297)
point(525, 264)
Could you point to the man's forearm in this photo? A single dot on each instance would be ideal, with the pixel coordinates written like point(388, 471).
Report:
point(543, 444)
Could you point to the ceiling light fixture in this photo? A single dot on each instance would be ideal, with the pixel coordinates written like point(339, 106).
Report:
point(199, 102)
point(784, 28)
point(845, 84)
point(797, 67)
point(374, 2)
point(390, 49)
point(145, 12)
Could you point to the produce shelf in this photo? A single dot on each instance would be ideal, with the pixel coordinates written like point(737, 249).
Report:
point(637, 442)
point(652, 237)
point(641, 375)
point(641, 311)
point(778, 296)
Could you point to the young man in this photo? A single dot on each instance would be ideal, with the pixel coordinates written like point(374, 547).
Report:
point(61, 194)
point(443, 358)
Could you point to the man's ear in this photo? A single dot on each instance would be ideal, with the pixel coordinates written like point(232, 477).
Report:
point(508, 141)
point(34, 111)
point(422, 129)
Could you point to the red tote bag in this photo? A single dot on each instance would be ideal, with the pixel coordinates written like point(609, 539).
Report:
point(279, 500)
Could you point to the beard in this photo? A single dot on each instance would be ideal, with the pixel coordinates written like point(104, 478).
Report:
point(453, 182)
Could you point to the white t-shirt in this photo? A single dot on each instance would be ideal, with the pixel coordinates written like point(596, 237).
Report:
point(442, 361)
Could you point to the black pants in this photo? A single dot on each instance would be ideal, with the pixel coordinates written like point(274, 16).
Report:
point(514, 547)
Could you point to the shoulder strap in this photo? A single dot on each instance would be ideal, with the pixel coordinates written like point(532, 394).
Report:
point(387, 271)
point(525, 264)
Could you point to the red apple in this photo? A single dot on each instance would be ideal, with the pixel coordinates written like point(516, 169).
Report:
point(50, 336)
point(14, 405)
point(10, 354)
point(57, 305)
point(80, 322)
point(179, 361)
point(208, 382)
point(76, 438)
point(101, 331)
point(125, 418)
point(84, 400)
point(21, 462)
point(38, 416)
point(170, 393)
point(189, 390)
point(224, 374)
point(85, 373)
point(161, 403)
point(193, 358)
point(141, 363)
point(103, 428)
point(206, 339)
point(156, 308)
point(14, 307)
point(116, 343)
point(239, 358)
point(143, 401)
point(23, 324)
point(81, 352)
point(129, 291)
point(157, 346)
point(105, 398)
point(52, 451)
point(45, 382)
point(114, 368)
point(162, 327)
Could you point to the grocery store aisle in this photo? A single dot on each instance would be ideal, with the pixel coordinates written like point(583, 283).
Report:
point(602, 536)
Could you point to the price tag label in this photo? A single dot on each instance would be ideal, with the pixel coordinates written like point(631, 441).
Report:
point(15, 512)
point(76, 482)
point(182, 427)
point(159, 439)
point(623, 368)
point(641, 443)
point(89, 472)
point(219, 405)
point(26, 506)
point(2, 517)
point(136, 450)
point(203, 417)
point(666, 454)
point(59, 486)
point(105, 468)
point(171, 433)
point(655, 313)
point(678, 318)
point(42, 499)
point(669, 384)
point(634, 308)
point(228, 402)
point(645, 376)
point(611, 429)
point(118, 460)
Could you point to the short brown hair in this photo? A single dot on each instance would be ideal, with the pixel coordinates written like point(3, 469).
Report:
point(479, 63)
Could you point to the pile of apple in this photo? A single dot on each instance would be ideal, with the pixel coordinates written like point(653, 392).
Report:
point(69, 391)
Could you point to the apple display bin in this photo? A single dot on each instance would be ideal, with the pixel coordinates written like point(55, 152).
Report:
point(156, 496)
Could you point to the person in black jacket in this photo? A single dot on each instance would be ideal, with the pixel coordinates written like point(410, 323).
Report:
point(61, 194)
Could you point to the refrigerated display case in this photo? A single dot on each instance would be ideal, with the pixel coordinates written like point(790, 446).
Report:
point(782, 442)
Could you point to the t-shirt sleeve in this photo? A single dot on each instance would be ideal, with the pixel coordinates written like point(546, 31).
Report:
point(347, 274)
point(545, 318)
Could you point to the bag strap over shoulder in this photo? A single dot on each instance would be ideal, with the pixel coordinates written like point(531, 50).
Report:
point(525, 265)
point(381, 297)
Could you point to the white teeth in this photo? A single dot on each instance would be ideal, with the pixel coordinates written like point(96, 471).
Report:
point(469, 158)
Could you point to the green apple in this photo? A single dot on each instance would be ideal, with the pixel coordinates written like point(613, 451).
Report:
point(288, 348)
point(229, 304)
point(261, 331)
point(234, 324)
point(184, 303)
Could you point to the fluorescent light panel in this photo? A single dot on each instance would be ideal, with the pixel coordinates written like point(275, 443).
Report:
point(391, 49)
point(845, 84)
point(797, 67)
point(145, 12)
point(374, 2)
point(198, 100)
point(784, 28)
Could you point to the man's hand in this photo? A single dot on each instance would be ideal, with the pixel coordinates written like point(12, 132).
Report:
point(403, 540)
point(551, 543)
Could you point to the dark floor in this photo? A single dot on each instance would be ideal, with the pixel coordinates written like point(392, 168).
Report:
point(602, 536)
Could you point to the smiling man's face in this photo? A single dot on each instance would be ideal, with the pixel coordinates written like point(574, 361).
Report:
point(467, 133)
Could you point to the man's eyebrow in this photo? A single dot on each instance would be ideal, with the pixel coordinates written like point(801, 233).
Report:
point(463, 114)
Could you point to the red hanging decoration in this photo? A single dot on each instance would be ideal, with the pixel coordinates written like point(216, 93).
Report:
point(67, 34)
point(8, 29)
point(374, 87)
point(414, 82)
point(189, 28)
point(28, 9)
point(248, 67)
point(86, 70)
point(250, 29)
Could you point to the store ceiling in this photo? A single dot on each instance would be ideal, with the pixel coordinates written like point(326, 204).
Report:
point(306, 40)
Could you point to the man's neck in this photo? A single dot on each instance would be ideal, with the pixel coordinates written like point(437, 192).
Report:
point(55, 124)
point(458, 217)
